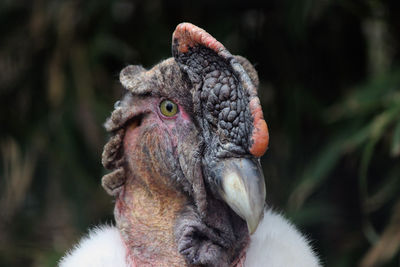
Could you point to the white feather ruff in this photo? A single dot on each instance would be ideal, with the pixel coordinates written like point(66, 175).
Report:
point(103, 247)
point(276, 243)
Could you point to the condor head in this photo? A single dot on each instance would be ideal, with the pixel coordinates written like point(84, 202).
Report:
point(185, 149)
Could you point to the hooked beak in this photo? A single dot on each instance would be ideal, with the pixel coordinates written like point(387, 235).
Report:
point(241, 185)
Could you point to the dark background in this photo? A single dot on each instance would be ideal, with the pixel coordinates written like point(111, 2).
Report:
point(330, 89)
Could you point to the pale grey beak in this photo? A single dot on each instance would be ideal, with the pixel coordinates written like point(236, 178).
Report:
point(241, 185)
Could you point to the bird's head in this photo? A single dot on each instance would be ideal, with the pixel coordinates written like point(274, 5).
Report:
point(190, 131)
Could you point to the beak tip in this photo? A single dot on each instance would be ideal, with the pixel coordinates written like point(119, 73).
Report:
point(243, 189)
point(251, 228)
point(252, 223)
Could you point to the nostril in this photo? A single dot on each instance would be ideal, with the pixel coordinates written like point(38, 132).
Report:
point(136, 121)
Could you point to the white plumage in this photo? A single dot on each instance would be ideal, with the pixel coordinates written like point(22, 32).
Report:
point(102, 247)
point(276, 243)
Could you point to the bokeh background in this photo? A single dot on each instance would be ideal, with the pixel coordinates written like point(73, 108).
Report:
point(330, 89)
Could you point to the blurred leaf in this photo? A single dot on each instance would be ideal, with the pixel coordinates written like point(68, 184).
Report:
point(388, 244)
point(313, 213)
point(376, 128)
point(361, 102)
point(17, 175)
point(395, 152)
point(384, 192)
point(315, 174)
point(364, 100)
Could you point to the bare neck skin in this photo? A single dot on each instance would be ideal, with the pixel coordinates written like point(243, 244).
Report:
point(149, 204)
point(146, 210)
point(147, 225)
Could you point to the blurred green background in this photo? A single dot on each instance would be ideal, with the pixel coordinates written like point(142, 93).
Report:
point(330, 89)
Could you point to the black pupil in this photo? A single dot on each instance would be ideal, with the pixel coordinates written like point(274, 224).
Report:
point(169, 107)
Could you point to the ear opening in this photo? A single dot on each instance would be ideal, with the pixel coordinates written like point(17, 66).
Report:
point(124, 111)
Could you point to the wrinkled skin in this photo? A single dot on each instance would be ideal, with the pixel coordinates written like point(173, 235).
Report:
point(163, 163)
point(168, 208)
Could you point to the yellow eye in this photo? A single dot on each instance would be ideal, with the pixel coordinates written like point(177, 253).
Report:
point(168, 108)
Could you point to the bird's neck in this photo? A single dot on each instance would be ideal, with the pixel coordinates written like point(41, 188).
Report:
point(149, 207)
point(146, 217)
point(147, 223)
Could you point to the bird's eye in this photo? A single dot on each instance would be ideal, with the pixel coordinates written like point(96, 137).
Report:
point(168, 108)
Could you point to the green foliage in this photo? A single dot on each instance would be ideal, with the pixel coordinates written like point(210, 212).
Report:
point(365, 128)
point(330, 81)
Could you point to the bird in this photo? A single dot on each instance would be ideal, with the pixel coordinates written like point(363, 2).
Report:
point(184, 160)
